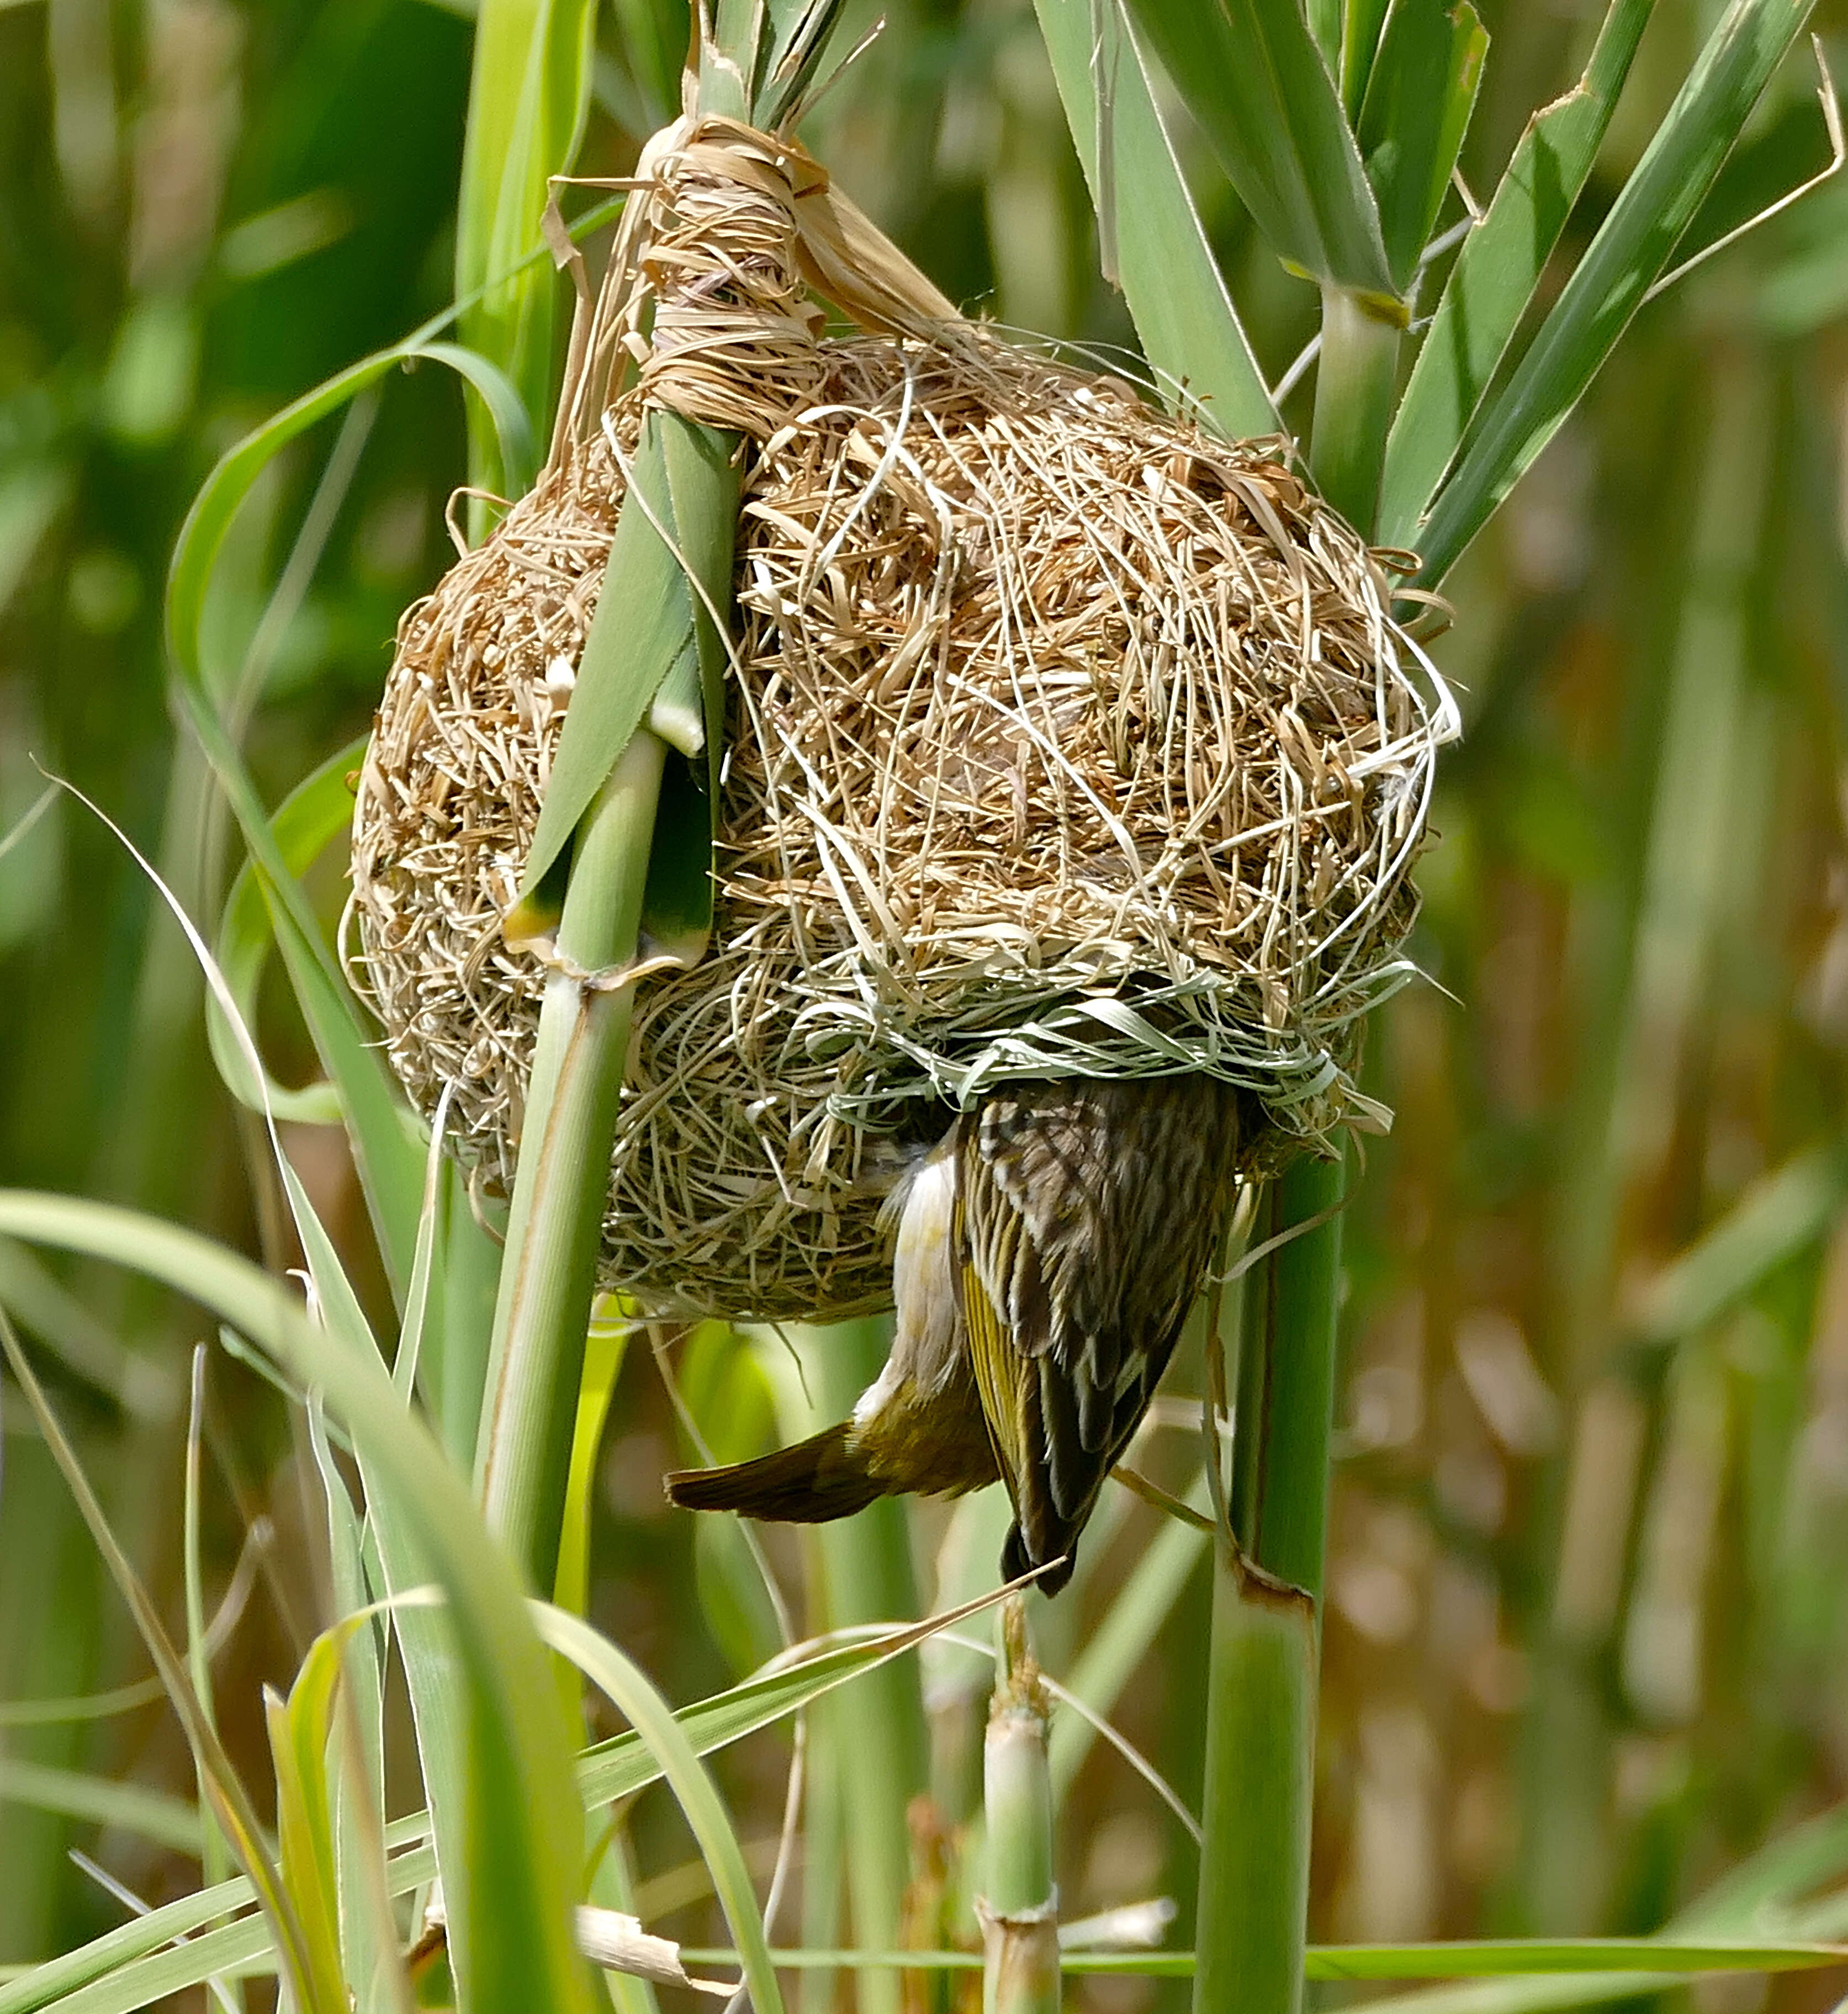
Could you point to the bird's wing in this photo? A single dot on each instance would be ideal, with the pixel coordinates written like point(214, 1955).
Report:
point(1043, 1379)
point(1086, 1214)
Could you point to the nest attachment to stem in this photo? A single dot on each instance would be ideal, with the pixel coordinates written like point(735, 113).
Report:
point(1064, 735)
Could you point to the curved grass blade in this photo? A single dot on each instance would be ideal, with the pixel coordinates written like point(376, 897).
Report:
point(1495, 274)
point(1177, 297)
point(525, 1841)
point(225, 1795)
point(155, 1815)
point(314, 813)
point(634, 1695)
point(130, 1960)
point(1251, 75)
point(1633, 246)
point(387, 1154)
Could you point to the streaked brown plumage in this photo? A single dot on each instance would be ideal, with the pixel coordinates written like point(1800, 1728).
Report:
point(1049, 1247)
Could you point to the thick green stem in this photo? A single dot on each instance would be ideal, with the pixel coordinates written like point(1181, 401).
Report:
point(1261, 1685)
point(1354, 383)
point(548, 1276)
point(1020, 1911)
point(1286, 1380)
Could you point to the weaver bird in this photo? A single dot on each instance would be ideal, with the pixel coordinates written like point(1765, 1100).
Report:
point(1048, 1249)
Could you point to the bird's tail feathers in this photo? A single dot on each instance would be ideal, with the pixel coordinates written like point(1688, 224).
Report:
point(817, 1480)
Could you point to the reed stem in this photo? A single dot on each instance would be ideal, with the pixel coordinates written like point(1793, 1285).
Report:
point(542, 1314)
point(1020, 1912)
point(1267, 1585)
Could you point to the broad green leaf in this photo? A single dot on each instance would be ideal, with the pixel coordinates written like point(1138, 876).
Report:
point(1421, 89)
point(1497, 272)
point(1252, 76)
point(680, 512)
point(1633, 246)
point(1190, 330)
point(526, 1845)
point(528, 99)
point(635, 1697)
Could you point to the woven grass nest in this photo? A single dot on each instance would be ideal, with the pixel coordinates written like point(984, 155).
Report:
point(1062, 736)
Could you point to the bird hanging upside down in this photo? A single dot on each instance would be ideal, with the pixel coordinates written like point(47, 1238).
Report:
point(1049, 1249)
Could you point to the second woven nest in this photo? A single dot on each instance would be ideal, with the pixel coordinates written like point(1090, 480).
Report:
point(1062, 736)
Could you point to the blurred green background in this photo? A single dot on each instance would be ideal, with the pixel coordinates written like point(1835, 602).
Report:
point(1587, 1643)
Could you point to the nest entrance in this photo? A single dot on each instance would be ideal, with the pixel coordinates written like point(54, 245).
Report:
point(1063, 737)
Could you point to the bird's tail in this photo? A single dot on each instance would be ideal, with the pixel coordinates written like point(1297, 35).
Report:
point(821, 1478)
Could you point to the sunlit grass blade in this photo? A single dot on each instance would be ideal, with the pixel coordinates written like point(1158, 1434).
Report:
point(299, 1730)
point(1421, 90)
point(1496, 273)
point(1252, 76)
point(1150, 230)
point(635, 1698)
point(130, 1957)
point(219, 1783)
point(1634, 245)
point(527, 1841)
